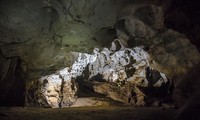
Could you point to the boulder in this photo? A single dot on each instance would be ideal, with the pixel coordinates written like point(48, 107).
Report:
point(55, 90)
point(124, 72)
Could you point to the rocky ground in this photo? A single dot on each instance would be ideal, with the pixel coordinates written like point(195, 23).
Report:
point(88, 113)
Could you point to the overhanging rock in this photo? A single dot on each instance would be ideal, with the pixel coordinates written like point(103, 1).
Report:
point(116, 64)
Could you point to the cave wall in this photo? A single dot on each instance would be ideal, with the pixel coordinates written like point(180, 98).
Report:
point(42, 33)
point(183, 16)
point(12, 84)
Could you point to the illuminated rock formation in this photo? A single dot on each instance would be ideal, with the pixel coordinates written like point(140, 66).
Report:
point(112, 65)
point(40, 37)
point(58, 90)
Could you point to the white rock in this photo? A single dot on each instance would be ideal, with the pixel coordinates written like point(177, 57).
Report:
point(109, 63)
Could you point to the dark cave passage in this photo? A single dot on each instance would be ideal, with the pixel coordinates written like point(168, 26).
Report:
point(12, 85)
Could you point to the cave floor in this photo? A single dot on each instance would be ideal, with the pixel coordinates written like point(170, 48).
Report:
point(88, 113)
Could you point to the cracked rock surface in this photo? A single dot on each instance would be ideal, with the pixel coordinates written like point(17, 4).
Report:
point(48, 43)
point(111, 65)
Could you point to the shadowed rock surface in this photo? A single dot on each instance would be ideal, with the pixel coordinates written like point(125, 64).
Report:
point(62, 53)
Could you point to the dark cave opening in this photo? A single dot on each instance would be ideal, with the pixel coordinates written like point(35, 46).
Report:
point(13, 83)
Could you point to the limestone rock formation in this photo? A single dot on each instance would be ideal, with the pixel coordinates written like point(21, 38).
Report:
point(166, 47)
point(90, 101)
point(55, 90)
point(77, 37)
point(115, 65)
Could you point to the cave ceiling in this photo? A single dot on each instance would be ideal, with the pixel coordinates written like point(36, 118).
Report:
point(41, 35)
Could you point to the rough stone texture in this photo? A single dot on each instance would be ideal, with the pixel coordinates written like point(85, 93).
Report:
point(90, 101)
point(123, 93)
point(173, 50)
point(56, 90)
point(112, 65)
point(112, 91)
point(167, 48)
point(44, 34)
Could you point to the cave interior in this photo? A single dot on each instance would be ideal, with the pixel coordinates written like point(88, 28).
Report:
point(100, 59)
